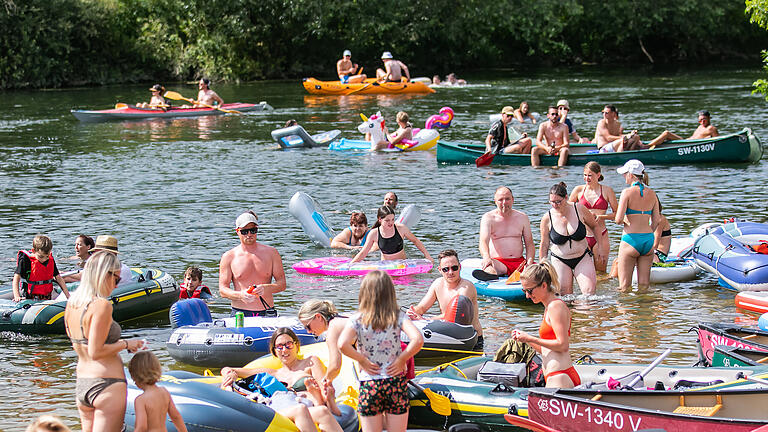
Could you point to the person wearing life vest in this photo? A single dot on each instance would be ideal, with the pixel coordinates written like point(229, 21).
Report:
point(193, 287)
point(36, 272)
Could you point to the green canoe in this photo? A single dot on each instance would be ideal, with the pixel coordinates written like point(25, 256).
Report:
point(150, 291)
point(733, 356)
point(739, 147)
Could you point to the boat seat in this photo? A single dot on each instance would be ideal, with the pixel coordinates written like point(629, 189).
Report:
point(703, 411)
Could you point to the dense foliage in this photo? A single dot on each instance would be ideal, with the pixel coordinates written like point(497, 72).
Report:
point(69, 42)
point(758, 10)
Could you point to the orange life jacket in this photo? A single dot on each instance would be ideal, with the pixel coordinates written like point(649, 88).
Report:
point(40, 282)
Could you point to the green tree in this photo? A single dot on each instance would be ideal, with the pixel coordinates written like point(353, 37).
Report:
point(758, 14)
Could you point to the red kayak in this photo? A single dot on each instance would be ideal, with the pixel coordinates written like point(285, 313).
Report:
point(131, 112)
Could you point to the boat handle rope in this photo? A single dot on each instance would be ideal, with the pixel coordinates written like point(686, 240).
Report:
point(717, 262)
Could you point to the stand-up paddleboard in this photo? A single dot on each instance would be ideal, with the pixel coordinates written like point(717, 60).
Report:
point(341, 266)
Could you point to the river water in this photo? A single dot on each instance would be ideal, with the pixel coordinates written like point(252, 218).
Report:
point(171, 189)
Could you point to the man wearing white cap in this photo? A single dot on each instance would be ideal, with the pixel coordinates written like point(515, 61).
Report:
point(393, 69)
point(347, 70)
point(563, 108)
point(250, 268)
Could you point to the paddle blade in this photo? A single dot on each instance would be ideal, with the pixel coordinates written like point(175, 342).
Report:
point(440, 404)
point(514, 277)
point(121, 106)
point(175, 96)
point(485, 159)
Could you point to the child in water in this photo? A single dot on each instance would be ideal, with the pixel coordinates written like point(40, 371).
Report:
point(193, 287)
point(372, 338)
point(155, 403)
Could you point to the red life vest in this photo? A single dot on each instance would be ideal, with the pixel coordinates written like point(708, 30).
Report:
point(40, 282)
point(183, 294)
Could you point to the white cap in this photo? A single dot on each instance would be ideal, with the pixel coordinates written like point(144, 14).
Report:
point(633, 166)
point(386, 55)
point(246, 218)
point(563, 102)
point(347, 53)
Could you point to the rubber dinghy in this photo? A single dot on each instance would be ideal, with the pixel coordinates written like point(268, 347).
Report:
point(201, 341)
point(725, 252)
point(149, 291)
point(205, 407)
point(477, 397)
point(296, 137)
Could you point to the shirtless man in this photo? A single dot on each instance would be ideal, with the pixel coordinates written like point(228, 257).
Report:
point(498, 137)
point(506, 241)
point(444, 289)
point(346, 70)
point(609, 134)
point(552, 139)
point(390, 199)
point(393, 69)
point(705, 130)
point(251, 265)
point(206, 96)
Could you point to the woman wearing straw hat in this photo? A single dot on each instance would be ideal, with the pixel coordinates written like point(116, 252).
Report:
point(108, 243)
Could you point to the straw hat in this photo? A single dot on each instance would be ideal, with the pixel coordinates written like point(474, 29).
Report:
point(105, 243)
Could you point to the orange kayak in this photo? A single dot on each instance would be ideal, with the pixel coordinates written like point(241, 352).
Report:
point(369, 86)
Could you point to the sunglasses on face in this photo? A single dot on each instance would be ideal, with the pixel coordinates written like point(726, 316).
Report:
point(117, 278)
point(287, 345)
point(529, 291)
point(453, 267)
point(564, 108)
point(552, 114)
point(246, 231)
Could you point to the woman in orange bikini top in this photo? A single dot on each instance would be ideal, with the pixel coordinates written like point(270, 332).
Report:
point(540, 284)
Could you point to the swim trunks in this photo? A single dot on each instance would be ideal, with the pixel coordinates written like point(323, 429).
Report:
point(608, 148)
point(512, 264)
point(344, 79)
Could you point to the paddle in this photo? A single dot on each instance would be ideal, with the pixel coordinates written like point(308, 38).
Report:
point(487, 158)
point(649, 368)
point(515, 276)
point(440, 404)
point(358, 89)
point(176, 96)
point(756, 380)
point(121, 105)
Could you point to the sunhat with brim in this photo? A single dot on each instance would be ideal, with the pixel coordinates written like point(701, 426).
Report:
point(157, 87)
point(508, 110)
point(387, 55)
point(105, 243)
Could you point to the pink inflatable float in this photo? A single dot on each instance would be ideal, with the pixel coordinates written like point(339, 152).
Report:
point(340, 266)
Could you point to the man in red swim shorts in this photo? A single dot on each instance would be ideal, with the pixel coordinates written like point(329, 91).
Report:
point(506, 242)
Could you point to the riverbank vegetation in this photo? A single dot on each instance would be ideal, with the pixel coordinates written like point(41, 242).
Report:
point(50, 43)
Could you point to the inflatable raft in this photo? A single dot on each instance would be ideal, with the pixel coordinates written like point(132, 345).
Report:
point(369, 86)
point(205, 407)
point(132, 112)
point(671, 271)
point(296, 136)
point(340, 266)
point(725, 252)
point(498, 288)
point(150, 291)
point(425, 139)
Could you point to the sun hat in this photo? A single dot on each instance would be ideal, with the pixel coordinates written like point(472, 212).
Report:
point(105, 243)
point(157, 87)
point(633, 166)
point(508, 110)
point(563, 102)
point(347, 53)
point(386, 55)
point(246, 218)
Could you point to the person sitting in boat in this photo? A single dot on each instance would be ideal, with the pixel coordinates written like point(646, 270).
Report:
point(552, 139)
point(193, 287)
point(302, 375)
point(498, 139)
point(157, 101)
point(445, 289)
point(610, 136)
point(524, 112)
point(83, 245)
point(393, 71)
point(206, 96)
point(562, 109)
point(404, 132)
point(353, 237)
point(321, 316)
point(347, 70)
point(389, 235)
point(540, 284)
point(36, 272)
point(107, 243)
point(705, 130)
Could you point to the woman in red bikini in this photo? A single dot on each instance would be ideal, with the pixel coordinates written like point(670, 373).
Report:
point(540, 285)
point(597, 198)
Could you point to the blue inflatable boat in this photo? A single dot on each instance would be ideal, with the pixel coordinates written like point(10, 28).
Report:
point(726, 252)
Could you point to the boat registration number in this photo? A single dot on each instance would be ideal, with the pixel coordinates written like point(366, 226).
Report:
point(606, 418)
point(702, 148)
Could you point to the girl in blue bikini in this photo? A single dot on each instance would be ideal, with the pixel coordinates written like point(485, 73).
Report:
point(639, 213)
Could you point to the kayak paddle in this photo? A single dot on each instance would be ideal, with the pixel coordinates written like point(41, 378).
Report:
point(650, 367)
point(440, 404)
point(487, 157)
point(176, 96)
point(358, 89)
point(515, 276)
point(121, 105)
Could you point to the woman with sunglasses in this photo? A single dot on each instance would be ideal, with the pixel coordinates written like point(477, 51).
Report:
point(389, 235)
point(563, 236)
point(540, 284)
point(298, 374)
point(321, 316)
point(101, 389)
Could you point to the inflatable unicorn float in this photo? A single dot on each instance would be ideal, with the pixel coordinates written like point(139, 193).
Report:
point(423, 139)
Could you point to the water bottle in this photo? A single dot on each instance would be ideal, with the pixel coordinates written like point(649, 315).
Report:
point(239, 319)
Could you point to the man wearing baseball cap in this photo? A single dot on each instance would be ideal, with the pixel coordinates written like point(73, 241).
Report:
point(249, 269)
point(498, 138)
point(563, 109)
point(347, 71)
point(393, 69)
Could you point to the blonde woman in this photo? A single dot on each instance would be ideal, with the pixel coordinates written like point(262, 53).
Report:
point(597, 198)
point(101, 387)
point(371, 337)
point(540, 284)
point(321, 316)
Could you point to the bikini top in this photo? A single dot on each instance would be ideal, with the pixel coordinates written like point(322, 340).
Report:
point(599, 204)
point(633, 211)
point(112, 336)
point(391, 245)
point(559, 239)
point(547, 332)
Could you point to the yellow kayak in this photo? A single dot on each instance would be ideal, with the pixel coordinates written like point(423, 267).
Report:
point(369, 86)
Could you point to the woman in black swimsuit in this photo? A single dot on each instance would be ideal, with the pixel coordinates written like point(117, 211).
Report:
point(101, 389)
point(570, 252)
point(389, 236)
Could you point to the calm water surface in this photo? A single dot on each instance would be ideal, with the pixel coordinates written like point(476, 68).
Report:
point(171, 189)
